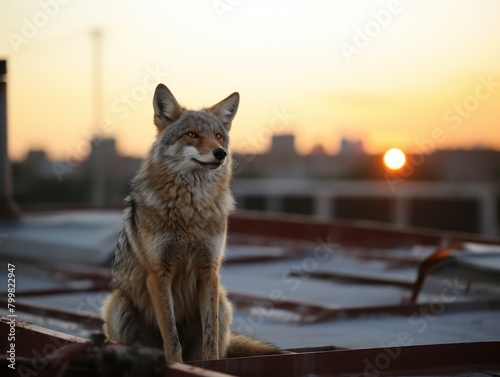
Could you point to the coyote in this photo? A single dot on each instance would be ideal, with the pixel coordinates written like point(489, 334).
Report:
point(165, 275)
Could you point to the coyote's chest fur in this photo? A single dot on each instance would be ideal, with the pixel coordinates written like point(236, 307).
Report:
point(185, 228)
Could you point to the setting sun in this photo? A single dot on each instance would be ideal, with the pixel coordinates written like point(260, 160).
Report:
point(394, 159)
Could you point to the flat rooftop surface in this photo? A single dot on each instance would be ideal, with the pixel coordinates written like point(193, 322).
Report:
point(341, 288)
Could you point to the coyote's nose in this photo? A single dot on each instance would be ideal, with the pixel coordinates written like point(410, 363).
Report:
point(219, 154)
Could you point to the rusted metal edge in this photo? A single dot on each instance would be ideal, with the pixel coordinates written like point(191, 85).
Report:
point(91, 322)
point(88, 286)
point(359, 233)
point(310, 313)
point(75, 271)
point(32, 341)
point(256, 259)
point(407, 360)
point(363, 277)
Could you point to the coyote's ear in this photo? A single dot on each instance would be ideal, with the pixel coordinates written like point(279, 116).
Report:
point(226, 109)
point(167, 109)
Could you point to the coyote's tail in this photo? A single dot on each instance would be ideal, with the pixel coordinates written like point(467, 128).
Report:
point(241, 346)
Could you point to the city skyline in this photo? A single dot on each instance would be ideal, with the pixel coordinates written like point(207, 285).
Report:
point(282, 159)
point(345, 146)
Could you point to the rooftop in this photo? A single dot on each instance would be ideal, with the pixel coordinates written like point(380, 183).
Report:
point(344, 297)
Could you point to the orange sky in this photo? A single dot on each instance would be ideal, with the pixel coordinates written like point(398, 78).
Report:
point(392, 73)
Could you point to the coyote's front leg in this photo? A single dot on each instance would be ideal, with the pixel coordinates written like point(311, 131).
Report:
point(209, 311)
point(160, 289)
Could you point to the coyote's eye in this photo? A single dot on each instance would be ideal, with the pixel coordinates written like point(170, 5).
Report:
point(192, 135)
point(218, 136)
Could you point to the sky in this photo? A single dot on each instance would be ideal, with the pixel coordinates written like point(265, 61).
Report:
point(416, 75)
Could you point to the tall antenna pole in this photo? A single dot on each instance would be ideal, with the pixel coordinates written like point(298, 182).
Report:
point(97, 158)
point(8, 209)
point(97, 59)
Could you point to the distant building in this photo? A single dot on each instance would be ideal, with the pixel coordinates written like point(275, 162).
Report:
point(283, 145)
point(318, 150)
point(351, 146)
point(37, 162)
point(467, 164)
point(104, 174)
point(105, 154)
point(282, 159)
point(104, 148)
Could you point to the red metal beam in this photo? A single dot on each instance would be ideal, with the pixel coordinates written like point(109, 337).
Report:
point(427, 360)
point(82, 318)
point(91, 286)
point(34, 343)
point(361, 233)
point(310, 313)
